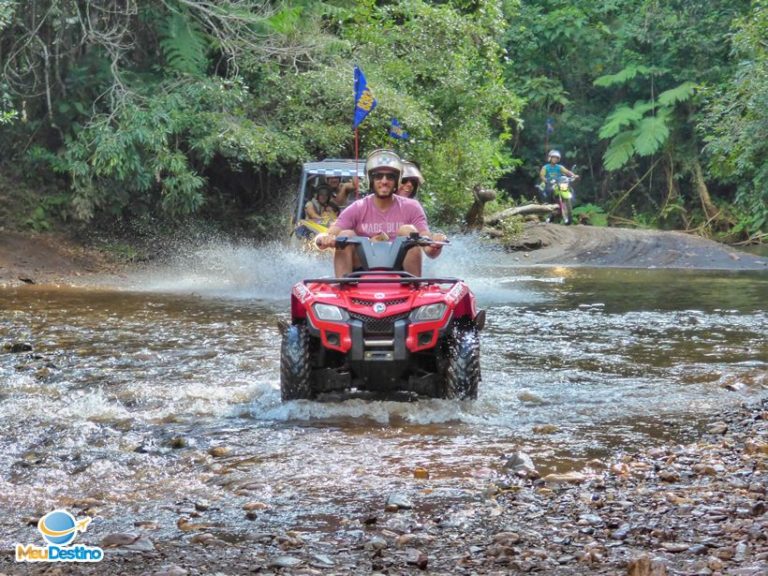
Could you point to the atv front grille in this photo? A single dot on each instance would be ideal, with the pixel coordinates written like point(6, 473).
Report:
point(374, 325)
point(393, 302)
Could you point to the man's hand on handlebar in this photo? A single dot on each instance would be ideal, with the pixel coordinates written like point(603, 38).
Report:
point(433, 250)
point(324, 241)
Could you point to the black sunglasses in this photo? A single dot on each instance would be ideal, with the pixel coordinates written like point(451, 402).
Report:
point(383, 175)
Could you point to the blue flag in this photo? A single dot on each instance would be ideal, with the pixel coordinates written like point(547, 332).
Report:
point(364, 100)
point(396, 131)
point(550, 126)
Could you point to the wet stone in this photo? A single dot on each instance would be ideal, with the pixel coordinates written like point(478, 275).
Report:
point(621, 532)
point(675, 546)
point(171, 570)
point(285, 562)
point(118, 539)
point(397, 502)
point(17, 347)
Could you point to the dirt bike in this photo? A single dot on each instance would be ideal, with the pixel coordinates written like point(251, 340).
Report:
point(563, 193)
point(381, 329)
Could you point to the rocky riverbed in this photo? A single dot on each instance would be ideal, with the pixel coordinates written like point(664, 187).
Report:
point(698, 508)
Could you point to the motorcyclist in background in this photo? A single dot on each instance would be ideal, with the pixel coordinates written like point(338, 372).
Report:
point(549, 174)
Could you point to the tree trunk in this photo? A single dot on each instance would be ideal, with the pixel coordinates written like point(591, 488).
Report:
point(710, 210)
point(521, 211)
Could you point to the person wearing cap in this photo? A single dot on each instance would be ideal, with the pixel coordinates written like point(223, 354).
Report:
point(550, 172)
point(411, 180)
point(381, 215)
point(321, 208)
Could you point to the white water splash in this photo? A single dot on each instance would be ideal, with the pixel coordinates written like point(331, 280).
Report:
point(223, 269)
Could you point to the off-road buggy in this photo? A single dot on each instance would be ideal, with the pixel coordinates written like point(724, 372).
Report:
point(312, 175)
point(382, 330)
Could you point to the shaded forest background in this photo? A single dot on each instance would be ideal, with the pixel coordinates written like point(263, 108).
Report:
point(140, 114)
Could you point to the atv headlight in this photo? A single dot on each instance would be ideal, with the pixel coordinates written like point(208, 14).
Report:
point(428, 312)
point(327, 312)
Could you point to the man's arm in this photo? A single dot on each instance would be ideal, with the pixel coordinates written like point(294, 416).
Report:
point(328, 239)
point(433, 251)
point(567, 172)
point(343, 193)
point(311, 213)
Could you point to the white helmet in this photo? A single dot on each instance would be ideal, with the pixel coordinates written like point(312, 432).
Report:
point(382, 158)
point(410, 170)
point(554, 153)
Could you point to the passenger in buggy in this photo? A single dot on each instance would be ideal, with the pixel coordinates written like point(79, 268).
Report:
point(321, 208)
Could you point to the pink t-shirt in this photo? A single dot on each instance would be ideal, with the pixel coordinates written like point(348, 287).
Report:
point(365, 219)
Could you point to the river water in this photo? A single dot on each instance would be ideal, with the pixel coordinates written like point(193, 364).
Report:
point(154, 397)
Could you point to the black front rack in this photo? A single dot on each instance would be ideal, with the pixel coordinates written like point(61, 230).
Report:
point(403, 278)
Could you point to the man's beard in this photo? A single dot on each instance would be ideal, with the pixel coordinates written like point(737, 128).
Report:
point(380, 194)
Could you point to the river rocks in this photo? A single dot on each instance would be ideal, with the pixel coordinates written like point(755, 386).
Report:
point(17, 347)
point(699, 508)
point(565, 478)
point(522, 465)
point(397, 502)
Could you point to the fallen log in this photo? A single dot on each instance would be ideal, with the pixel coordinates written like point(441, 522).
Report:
point(521, 211)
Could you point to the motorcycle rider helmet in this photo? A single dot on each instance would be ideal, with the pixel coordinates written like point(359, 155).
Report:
point(383, 158)
point(554, 153)
point(411, 172)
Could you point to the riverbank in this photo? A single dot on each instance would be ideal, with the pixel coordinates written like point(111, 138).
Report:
point(698, 508)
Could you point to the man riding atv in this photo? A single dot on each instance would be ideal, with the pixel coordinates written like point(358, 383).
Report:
point(381, 215)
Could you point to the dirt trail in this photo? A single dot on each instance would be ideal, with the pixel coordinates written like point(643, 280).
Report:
point(552, 244)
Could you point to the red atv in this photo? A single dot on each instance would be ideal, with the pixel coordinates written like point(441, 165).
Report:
point(382, 330)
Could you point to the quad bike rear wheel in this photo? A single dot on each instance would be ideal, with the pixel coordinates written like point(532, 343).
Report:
point(295, 364)
point(462, 368)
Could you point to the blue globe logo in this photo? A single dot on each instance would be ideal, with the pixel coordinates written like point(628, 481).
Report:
point(58, 527)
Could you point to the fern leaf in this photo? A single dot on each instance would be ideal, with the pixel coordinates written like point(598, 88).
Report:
point(286, 20)
point(623, 76)
point(621, 117)
point(651, 135)
point(183, 44)
point(619, 151)
point(679, 94)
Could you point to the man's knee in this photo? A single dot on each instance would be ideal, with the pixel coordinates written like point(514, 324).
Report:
point(406, 230)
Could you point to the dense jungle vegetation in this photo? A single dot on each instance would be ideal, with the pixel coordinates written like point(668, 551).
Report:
point(160, 110)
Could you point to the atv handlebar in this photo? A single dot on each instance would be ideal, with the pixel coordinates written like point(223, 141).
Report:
point(413, 240)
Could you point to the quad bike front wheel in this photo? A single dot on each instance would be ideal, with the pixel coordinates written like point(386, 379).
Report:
point(462, 368)
point(295, 364)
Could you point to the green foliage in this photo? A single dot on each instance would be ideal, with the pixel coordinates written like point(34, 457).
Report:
point(625, 75)
point(736, 124)
point(619, 151)
point(644, 128)
point(678, 94)
point(183, 43)
point(154, 150)
point(43, 216)
point(624, 116)
point(511, 229)
point(436, 67)
point(590, 214)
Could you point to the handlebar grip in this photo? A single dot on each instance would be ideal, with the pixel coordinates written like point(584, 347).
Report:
point(341, 241)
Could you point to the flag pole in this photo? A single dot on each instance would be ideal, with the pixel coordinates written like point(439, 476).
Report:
point(356, 177)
